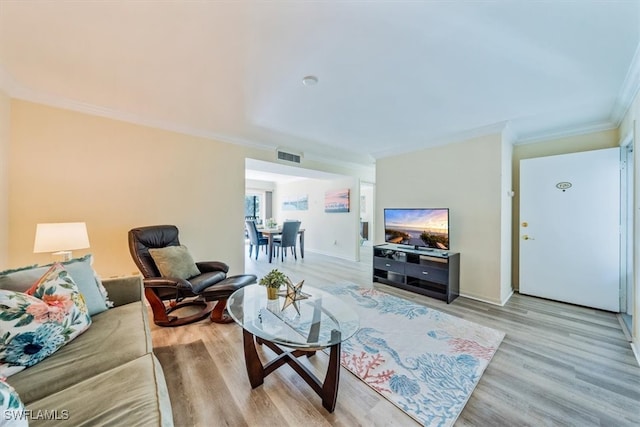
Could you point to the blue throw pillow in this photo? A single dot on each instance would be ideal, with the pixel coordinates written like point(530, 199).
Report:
point(79, 269)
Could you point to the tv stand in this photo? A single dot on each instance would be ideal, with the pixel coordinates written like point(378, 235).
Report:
point(415, 248)
point(407, 247)
point(426, 271)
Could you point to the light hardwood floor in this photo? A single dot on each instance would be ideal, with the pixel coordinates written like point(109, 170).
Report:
point(559, 365)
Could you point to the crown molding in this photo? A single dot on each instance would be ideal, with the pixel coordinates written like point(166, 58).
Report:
point(109, 113)
point(628, 90)
point(567, 132)
point(627, 94)
point(509, 134)
point(496, 128)
point(17, 91)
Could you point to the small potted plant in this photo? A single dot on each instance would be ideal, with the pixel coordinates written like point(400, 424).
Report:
point(272, 281)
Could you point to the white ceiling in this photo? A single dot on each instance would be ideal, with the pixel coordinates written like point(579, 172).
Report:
point(393, 75)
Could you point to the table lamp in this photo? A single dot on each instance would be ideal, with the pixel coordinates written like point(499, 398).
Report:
point(61, 238)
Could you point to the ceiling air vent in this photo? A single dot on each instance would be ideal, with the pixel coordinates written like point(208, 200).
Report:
point(289, 157)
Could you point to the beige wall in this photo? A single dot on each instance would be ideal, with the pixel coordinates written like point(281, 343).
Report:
point(4, 179)
point(573, 144)
point(466, 178)
point(69, 166)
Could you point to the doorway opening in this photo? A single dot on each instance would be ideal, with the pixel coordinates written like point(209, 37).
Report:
point(367, 226)
point(297, 193)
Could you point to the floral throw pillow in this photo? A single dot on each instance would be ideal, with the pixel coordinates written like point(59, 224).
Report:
point(82, 271)
point(36, 324)
point(12, 411)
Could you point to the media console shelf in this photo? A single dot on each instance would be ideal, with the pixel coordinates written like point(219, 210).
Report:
point(429, 272)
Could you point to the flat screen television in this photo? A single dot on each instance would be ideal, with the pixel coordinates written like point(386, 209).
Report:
point(419, 228)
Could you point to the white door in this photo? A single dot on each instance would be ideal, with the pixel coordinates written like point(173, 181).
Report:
point(570, 228)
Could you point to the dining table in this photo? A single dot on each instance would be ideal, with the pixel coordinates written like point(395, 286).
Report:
point(270, 233)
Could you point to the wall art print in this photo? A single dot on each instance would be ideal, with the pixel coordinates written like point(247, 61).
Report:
point(336, 201)
point(296, 203)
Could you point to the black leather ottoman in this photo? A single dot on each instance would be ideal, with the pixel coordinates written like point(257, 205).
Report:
point(221, 291)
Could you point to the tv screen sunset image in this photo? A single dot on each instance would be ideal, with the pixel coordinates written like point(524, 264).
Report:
point(417, 227)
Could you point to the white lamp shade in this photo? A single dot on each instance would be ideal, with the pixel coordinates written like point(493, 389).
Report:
point(62, 236)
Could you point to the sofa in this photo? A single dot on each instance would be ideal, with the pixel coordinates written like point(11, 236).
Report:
point(107, 375)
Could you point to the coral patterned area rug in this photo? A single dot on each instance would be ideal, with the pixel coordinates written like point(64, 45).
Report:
point(425, 362)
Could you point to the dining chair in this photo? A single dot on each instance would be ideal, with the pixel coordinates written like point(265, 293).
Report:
point(288, 238)
point(255, 237)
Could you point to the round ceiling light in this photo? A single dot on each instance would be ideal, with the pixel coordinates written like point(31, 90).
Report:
point(309, 80)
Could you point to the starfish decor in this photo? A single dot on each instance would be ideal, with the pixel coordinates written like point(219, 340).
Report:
point(294, 293)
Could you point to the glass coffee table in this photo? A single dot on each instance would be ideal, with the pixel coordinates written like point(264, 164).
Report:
point(324, 321)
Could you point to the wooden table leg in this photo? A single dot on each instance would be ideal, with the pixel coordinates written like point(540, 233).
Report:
point(327, 389)
point(302, 244)
point(270, 247)
point(255, 369)
point(330, 385)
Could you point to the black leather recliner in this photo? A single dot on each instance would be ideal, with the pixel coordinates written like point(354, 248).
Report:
point(210, 285)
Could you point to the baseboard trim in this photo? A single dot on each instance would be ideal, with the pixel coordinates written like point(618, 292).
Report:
point(506, 300)
point(333, 255)
point(625, 330)
point(481, 299)
point(636, 352)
